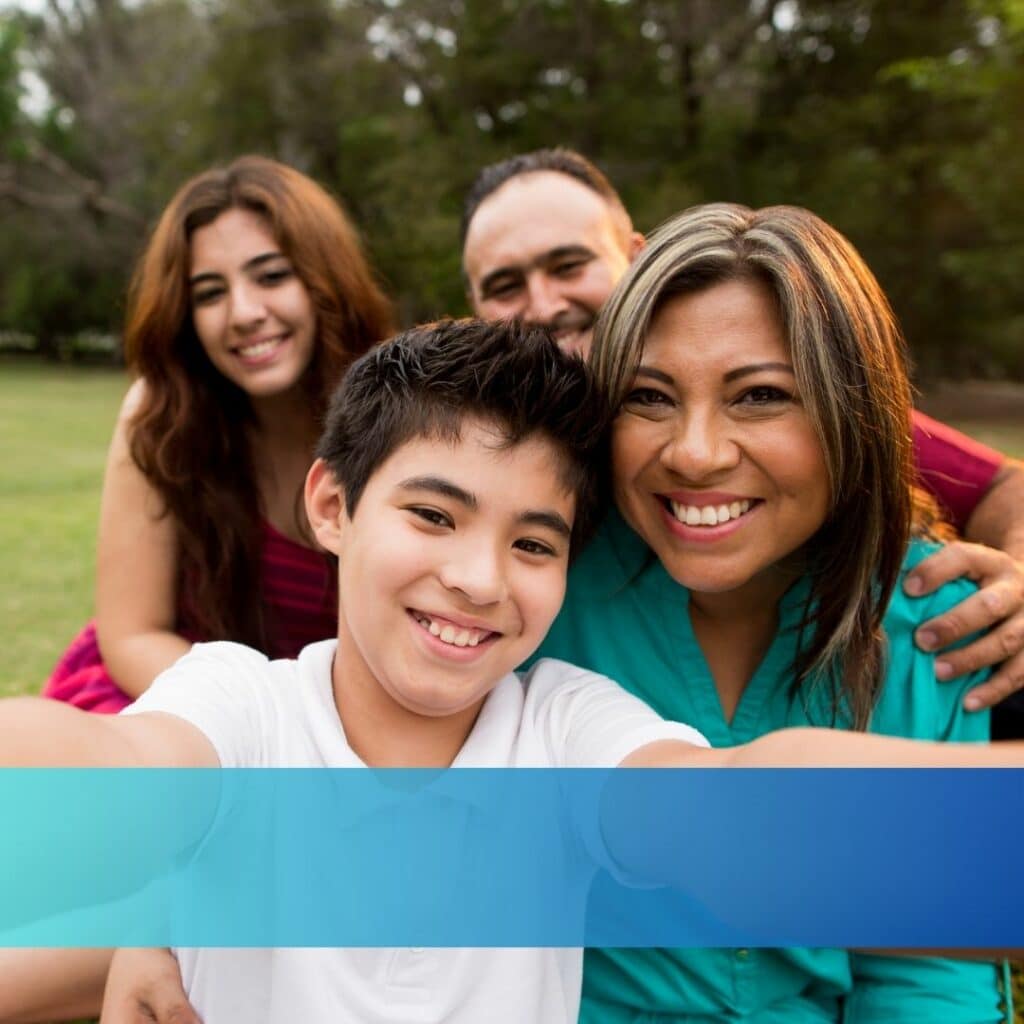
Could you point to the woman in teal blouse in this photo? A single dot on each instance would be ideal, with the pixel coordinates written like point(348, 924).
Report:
point(749, 578)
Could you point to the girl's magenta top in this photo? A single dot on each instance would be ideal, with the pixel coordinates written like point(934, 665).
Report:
point(299, 591)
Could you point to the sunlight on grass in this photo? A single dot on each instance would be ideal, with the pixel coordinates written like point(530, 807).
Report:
point(55, 425)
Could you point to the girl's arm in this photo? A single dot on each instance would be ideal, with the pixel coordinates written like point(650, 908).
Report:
point(136, 570)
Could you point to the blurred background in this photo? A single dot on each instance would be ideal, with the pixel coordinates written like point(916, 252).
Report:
point(898, 122)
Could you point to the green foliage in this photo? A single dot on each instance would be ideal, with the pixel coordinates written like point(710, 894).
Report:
point(897, 122)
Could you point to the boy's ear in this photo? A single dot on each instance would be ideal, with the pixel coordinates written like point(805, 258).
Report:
point(325, 505)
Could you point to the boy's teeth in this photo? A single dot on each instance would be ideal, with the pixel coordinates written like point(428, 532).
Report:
point(448, 634)
point(709, 515)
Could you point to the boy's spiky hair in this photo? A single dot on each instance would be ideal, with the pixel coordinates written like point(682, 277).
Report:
point(427, 380)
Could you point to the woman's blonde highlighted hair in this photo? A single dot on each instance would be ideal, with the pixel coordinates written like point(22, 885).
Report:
point(850, 363)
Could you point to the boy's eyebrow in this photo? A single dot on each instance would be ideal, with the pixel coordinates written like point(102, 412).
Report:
point(531, 517)
point(552, 520)
point(439, 485)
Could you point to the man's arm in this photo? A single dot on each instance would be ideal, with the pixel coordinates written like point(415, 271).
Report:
point(994, 560)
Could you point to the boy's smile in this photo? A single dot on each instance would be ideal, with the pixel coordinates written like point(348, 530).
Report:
point(451, 570)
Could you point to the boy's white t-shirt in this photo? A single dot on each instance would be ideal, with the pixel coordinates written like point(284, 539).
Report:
point(261, 713)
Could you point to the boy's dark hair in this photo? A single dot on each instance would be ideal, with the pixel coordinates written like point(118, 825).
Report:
point(559, 159)
point(427, 380)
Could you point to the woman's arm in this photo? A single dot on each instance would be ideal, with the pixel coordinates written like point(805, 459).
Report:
point(136, 570)
point(829, 748)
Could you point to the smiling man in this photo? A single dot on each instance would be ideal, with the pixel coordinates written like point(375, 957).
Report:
point(546, 238)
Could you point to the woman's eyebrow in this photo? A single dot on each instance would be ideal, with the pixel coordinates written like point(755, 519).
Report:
point(658, 375)
point(743, 371)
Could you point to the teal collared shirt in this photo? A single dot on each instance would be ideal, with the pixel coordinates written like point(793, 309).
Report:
point(625, 617)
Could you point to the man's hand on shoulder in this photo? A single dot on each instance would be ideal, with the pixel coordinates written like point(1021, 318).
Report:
point(997, 608)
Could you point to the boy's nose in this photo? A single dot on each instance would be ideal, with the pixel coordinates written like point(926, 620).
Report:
point(477, 575)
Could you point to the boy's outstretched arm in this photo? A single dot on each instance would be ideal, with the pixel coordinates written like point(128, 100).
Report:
point(36, 733)
point(828, 748)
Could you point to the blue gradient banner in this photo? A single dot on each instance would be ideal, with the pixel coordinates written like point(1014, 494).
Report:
point(474, 857)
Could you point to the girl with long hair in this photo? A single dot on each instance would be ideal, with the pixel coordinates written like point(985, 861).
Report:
point(249, 302)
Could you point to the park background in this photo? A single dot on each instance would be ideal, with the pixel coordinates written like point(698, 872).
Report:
point(898, 122)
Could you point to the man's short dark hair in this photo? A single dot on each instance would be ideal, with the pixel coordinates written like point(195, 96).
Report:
point(560, 160)
point(426, 381)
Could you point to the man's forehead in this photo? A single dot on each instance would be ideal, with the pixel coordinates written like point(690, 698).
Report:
point(534, 214)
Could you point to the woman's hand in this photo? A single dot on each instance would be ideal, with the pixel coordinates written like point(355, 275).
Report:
point(144, 985)
point(997, 607)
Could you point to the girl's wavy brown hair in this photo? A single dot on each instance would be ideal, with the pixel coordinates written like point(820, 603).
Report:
point(189, 435)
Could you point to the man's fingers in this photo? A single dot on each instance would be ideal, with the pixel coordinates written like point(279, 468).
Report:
point(951, 562)
point(1002, 644)
point(1008, 680)
point(983, 610)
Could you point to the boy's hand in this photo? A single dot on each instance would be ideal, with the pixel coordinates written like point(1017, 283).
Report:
point(997, 607)
point(144, 985)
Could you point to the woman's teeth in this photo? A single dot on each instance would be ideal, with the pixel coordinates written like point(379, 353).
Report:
point(709, 515)
point(448, 634)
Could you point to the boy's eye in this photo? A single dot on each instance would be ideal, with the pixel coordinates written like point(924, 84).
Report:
point(535, 547)
point(433, 516)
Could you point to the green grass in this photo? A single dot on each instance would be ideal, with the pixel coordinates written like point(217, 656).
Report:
point(55, 425)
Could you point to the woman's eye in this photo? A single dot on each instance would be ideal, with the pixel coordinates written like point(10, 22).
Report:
point(534, 547)
point(645, 397)
point(431, 515)
point(764, 394)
